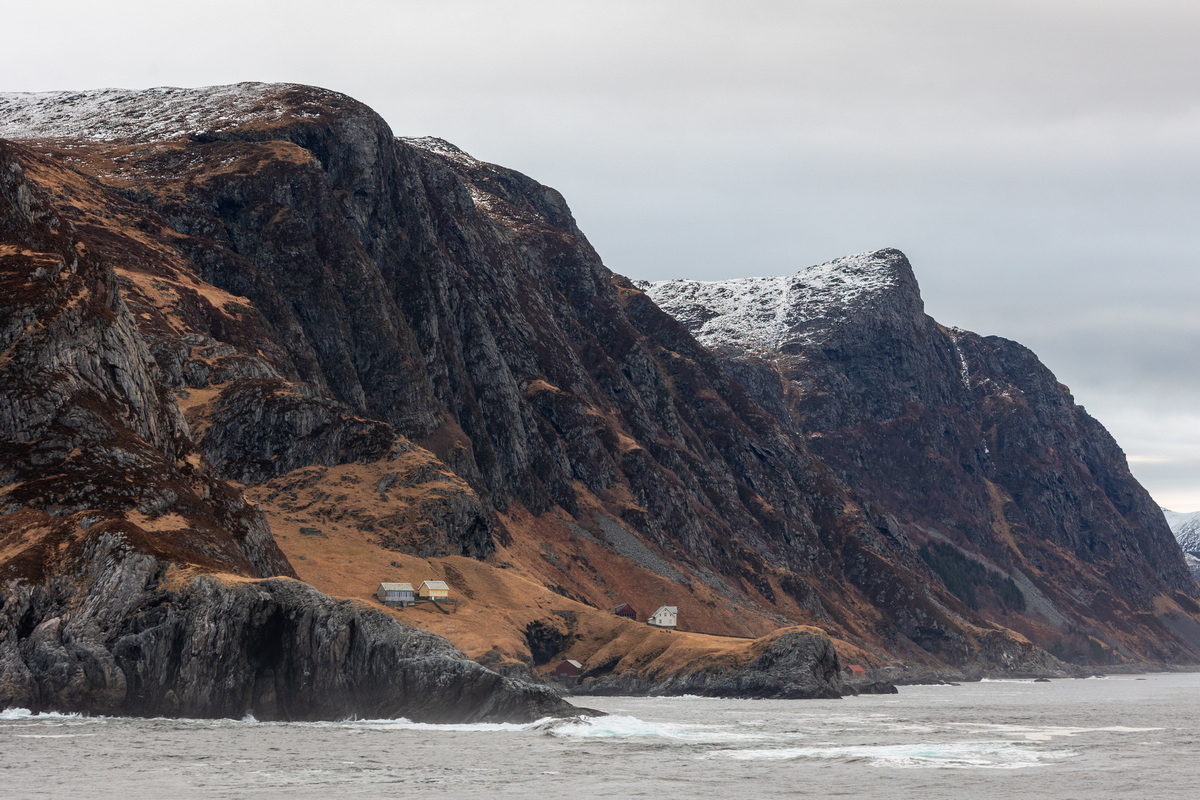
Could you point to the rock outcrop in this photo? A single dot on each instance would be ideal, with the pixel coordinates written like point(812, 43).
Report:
point(123, 632)
point(790, 664)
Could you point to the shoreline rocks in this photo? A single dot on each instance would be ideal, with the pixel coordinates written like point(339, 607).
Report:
point(128, 637)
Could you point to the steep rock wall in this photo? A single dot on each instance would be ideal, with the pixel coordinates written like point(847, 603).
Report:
point(952, 439)
point(105, 496)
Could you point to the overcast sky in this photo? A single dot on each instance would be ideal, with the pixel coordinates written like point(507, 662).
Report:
point(1038, 160)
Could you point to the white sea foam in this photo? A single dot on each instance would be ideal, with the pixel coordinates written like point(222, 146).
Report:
point(53, 735)
point(1044, 733)
point(24, 713)
point(944, 755)
point(624, 727)
point(402, 724)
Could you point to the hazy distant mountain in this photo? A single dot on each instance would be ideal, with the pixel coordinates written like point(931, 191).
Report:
point(1186, 527)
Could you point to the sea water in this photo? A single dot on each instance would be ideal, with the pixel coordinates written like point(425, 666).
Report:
point(1116, 737)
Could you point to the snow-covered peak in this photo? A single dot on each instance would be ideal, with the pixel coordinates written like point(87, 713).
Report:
point(441, 147)
point(158, 114)
point(755, 314)
point(1186, 527)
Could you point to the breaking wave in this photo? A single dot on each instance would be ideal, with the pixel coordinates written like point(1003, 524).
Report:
point(402, 724)
point(10, 714)
point(625, 727)
point(945, 755)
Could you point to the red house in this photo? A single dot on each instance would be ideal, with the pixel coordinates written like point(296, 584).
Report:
point(569, 669)
point(626, 610)
point(854, 670)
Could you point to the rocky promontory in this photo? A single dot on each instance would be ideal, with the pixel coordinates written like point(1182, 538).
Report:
point(787, 665)
point(130, 634)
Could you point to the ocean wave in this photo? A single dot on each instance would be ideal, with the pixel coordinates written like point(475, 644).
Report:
point(53, 735)
point(10, 714)
point(945, 755)
point(1043, 733)
point(402, 724)
point(625, 727)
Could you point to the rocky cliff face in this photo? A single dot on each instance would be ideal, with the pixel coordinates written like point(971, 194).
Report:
point(402, 282)
point(964, 448)
point(410, 351)
point(110, 510)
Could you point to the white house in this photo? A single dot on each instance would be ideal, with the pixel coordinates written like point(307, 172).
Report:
point(665, 617)
point(395, 594)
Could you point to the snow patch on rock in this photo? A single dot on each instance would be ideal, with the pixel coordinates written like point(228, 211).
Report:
point(441, 147)
point(1186, 527)
point(158, 114)
point(756, 314)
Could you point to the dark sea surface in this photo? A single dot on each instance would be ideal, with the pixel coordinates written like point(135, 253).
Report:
point(1116, 737)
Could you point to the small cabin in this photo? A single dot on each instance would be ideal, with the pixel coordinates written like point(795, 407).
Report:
point(854, 670)
point(665, 617)
point(627, 611)
point(434, 590)
point(395, 594)
point(569, 669)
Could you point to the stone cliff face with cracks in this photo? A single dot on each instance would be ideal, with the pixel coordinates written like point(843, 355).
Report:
point(965, 449)
point(133, 574)
point(240, 314)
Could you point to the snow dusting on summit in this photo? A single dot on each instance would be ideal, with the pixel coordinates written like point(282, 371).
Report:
point(750, 314)
point(1186, 528)
point(441, 147)
point(145, 115)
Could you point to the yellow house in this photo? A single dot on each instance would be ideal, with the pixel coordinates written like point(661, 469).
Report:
point(434, 590)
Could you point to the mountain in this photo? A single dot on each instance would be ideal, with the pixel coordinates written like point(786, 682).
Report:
point(964, 448)
point(250, 333)
point(1186, 528)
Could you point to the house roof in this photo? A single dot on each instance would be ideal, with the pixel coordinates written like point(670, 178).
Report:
point(668, 609)
point(396, 587)
point(573, 663)
point(436, 585)
point(624, 607)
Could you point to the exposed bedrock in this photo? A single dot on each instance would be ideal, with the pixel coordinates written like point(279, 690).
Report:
point(787, 665)
point(261, 429)
point(127, 636)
